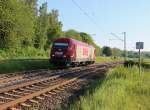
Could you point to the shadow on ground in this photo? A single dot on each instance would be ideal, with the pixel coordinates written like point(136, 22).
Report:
point(85, 89)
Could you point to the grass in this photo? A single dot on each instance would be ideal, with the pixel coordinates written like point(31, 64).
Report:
point(107, 59)
point(29, 52)
point(14, 60)
point(14, 65)
point(122, 89)
point(9, 65)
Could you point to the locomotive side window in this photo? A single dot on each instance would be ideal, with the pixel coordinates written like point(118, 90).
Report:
point(61, 45)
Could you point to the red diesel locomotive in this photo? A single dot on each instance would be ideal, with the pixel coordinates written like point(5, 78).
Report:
point(71, 52)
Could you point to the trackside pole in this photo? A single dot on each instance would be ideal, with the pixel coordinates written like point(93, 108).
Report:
point(139, 61)
point(139, 45)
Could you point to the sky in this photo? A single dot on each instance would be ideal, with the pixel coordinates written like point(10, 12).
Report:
point(100, 18)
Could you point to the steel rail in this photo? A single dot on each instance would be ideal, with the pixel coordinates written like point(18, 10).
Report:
point(53, 76)
point(24, 98)
point(11, 79)
point(38, 93)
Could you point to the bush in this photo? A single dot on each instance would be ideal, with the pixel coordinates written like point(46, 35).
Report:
point(135, 63)
point(29, 52)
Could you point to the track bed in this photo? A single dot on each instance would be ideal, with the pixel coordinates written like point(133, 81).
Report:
point(46, 89)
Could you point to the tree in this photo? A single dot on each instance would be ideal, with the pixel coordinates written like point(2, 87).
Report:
point(73, 34)
point(16, 24)
point(55, 26)
point(117, 52)
point(107, 51)
point(41, 27)
point(86, 38)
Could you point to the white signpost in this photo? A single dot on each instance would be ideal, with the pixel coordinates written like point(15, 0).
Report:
point(139, 45)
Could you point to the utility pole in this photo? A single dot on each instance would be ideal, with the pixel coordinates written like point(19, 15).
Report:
point(125, 43)
point(139, 61)
point(125, 46)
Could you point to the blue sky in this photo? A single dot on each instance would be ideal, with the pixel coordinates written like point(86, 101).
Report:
point(109, 16)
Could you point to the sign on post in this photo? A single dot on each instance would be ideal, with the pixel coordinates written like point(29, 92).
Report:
point(139, 45)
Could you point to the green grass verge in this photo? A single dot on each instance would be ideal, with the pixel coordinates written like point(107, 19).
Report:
point(14, 65)
point(29, 63)
point(13, 60)
point(108, 59)
point(122, 89)
point(22, 53)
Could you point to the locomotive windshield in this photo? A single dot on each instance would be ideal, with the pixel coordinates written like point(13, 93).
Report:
point(61, 45)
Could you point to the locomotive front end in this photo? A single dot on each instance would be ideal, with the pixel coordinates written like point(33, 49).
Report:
point(60, 52)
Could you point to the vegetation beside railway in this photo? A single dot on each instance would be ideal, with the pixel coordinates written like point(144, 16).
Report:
point(16, 65)
point(122, 89)
point(26, 64)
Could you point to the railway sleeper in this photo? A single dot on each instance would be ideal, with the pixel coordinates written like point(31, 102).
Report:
point(49, 96)
point(41, 98)
point(25, 105)
point(56, 90)
point(26, 90)
point(52, 93)
point(33, 101)
point(6, 98)
point(61, 89)
point(35, 86)
point(41, 85)
point(14, 95)
point(34, 89)
point(14, 109)
point(45, 84)
point(19, 92)
point(45, 95)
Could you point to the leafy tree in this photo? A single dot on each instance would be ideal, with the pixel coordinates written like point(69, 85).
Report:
point(86, 38)
point(98, 50)
point(22, 25)
point(73, 34)
point(55, 26)
point(41, 27)
point(16, 24)
point(117, 52)
point(107, 51)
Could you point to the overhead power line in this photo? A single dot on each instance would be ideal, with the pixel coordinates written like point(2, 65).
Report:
point(116, 36)
point(88, 16)
point(125, 43)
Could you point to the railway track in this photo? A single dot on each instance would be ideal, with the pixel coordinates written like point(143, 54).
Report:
point(15, 78)
point(27, 93)
point(5, 78)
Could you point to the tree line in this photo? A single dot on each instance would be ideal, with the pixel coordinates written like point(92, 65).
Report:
point(23, 25)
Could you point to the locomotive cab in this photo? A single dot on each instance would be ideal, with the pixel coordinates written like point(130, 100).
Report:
point(62, 51)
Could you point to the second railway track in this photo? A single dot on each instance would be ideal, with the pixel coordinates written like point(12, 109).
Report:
point(18, 96)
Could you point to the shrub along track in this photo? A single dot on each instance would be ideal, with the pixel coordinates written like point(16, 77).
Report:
point(33, 94)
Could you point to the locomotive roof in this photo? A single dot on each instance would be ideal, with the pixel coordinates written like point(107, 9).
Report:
point(73, 40)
